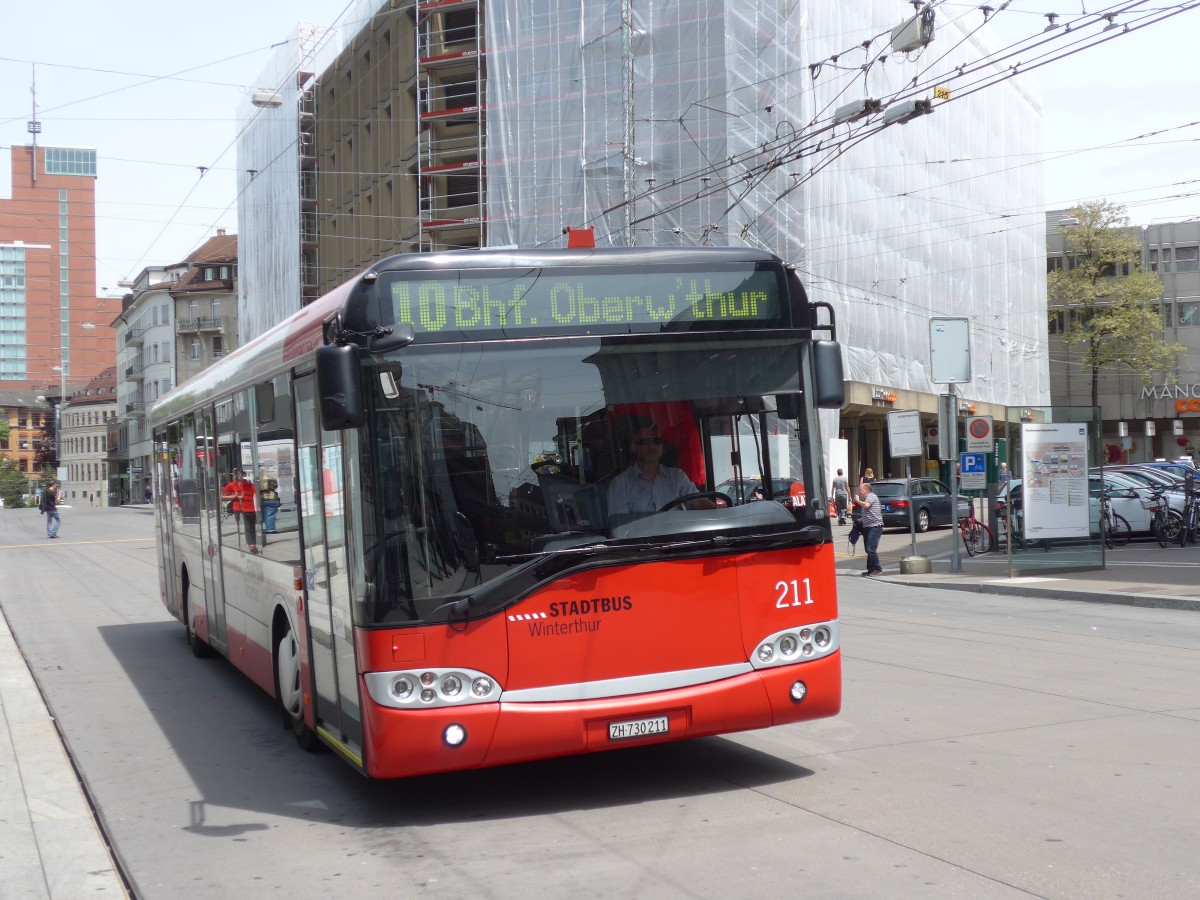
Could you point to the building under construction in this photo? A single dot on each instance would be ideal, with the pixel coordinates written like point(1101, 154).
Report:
point(892, 157)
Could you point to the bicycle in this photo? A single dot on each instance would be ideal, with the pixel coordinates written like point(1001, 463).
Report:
point(1165, 523)
point(976, 536)
point(1113, 526)
point(1189, 523)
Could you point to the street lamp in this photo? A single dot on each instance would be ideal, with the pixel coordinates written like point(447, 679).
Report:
point(61, 369)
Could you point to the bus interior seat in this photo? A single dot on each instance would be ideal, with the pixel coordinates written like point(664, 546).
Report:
point(571, 506)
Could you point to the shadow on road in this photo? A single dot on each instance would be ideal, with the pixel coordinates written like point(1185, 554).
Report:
point(228, 737)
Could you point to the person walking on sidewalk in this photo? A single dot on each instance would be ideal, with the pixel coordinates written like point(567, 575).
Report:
point(872, 526)
point(49, 508)
point(841, 496)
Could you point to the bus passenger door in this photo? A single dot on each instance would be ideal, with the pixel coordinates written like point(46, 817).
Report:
point(323, 501)
point(210, 538)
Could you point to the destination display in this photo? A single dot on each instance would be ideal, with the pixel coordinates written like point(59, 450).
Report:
point(579, 301)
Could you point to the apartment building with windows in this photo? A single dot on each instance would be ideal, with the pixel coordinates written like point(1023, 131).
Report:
point(175, 322)
point(30, 440)
point(83, 448)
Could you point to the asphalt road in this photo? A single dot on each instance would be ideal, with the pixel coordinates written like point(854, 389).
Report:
point(988, 747)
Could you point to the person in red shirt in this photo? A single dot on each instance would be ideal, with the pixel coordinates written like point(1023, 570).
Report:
point(240, 494)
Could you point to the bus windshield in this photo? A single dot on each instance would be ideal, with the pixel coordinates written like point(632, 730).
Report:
point(483, 460)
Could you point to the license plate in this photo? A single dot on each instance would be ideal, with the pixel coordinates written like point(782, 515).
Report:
point(619, 731)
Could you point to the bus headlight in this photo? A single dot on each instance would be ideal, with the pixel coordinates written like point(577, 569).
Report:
point(402, 687)
point(796, 645)
point(432, 688)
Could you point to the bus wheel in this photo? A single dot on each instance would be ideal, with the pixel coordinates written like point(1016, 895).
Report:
point(288, 689)
point(200, 647)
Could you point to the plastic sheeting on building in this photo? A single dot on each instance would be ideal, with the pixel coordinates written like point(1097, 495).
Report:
point(675, 122)
point(268, 187)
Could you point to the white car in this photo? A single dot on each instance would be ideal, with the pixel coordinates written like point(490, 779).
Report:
point(1145, 482)
point(1123, 496)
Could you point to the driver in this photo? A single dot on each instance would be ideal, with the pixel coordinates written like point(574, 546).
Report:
point(647, 485)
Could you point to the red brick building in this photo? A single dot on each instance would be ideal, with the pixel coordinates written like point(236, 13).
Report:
point(51, 321)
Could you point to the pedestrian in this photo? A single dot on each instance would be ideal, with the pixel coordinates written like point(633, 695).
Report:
point(49, 507)
point(841, 496)
point(1004, 475)
point(872, 526)
point(268, 495)
point(869, 475)
point(91, 499)
point(240, 494)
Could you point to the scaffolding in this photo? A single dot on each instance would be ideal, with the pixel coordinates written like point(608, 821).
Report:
point(451, 106)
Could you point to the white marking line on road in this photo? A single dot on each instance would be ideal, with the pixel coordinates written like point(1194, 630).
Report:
point(1147, 565)
point(73, 543)
point(1031, 579)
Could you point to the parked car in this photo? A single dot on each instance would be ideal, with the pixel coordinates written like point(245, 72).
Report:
point(1178, 469)
point(1145, 480)
point(1124, 495)
point(743, 490)
point(930, 503)
point(1145, 473)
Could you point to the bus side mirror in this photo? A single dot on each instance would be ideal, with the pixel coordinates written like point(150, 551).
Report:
point(339, 387)
point(831, 383)
point(264, 402)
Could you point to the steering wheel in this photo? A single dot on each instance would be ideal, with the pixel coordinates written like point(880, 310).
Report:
point(688, 498)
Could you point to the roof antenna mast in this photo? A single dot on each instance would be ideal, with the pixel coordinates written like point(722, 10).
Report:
point(33, 126)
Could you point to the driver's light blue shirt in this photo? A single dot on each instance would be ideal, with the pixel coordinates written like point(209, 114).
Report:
point(632, 492)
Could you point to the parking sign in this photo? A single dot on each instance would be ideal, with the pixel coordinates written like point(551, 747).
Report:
point(972, 469)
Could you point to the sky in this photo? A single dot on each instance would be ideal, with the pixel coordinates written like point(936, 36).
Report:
point(155, 89)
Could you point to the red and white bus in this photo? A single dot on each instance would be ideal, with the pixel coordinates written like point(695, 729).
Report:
point(421, 564)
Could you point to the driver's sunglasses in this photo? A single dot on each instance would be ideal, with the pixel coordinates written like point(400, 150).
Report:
point(649, 442)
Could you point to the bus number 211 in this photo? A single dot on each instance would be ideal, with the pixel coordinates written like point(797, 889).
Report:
point(791, 589)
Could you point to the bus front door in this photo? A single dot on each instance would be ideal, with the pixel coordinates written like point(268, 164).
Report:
point(323, 499)
point(210, 536)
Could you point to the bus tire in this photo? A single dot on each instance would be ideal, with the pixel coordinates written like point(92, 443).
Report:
point(199, 646)
point(288, 690)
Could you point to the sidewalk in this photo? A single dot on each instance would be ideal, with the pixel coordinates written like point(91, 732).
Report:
point(1143, 576)
point(50, 846)
point(1087, 587)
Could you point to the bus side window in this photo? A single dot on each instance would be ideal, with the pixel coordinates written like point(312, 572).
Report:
point(275, 451)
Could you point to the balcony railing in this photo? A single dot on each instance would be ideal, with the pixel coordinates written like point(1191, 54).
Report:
point(134, 335)
point(198, 323)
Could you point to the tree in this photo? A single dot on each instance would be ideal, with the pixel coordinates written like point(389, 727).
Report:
point(12, 483)
point(1113, 319)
